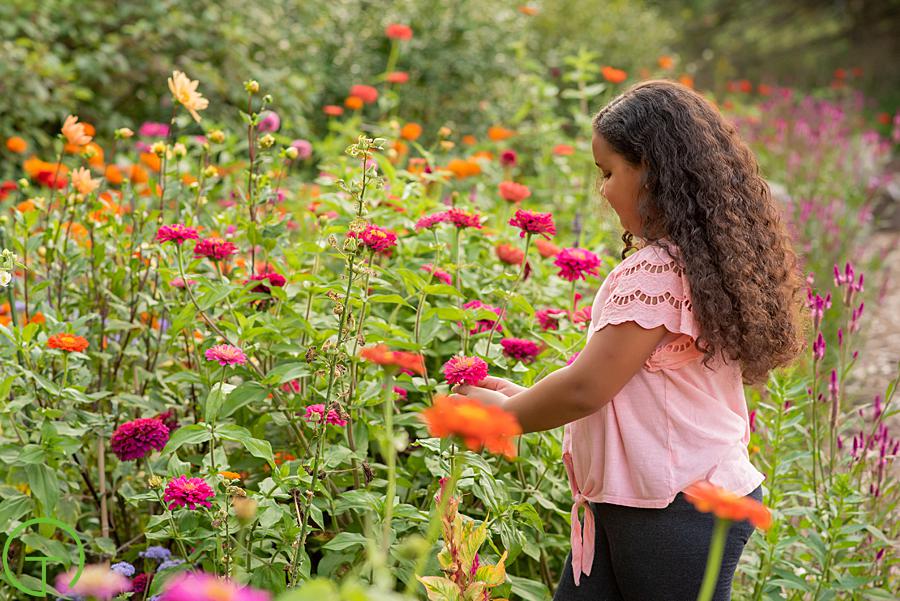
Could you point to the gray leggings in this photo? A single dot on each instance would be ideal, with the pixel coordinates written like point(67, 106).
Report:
point(653, 554)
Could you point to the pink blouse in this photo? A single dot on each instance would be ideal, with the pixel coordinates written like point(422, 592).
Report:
point(674, 423)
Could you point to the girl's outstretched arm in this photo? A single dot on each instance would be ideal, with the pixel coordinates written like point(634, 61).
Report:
point(612, 356)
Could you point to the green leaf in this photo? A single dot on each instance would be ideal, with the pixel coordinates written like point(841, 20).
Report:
point(12, 509)
point(529, 590)
point(346, 540)
point(45, 486)
point(256, 447)
point(286, 372)
point(440, 588)
point(388, 298)
point(245, 394)
point(193, 434)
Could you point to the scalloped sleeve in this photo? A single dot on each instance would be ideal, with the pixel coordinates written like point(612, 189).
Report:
point(653, 291)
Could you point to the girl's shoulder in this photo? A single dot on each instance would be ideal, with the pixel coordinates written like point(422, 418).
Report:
point(652, 258)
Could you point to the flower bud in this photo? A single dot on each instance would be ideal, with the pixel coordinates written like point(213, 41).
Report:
point(194, 186)
point(266, 141)
point(217, 136)
point(251, 86)
point(244, 509)
point(24, 183)
point(210, 171)
point(123, 133)
point(447, 144)
point(291, 152)
point(444, 131)
point(158, 148)
point(89, 152)
point(155, 481)
point(179, 150)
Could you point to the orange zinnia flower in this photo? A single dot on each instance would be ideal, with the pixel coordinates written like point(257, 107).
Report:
point(16, 144)
point(709, 498)
point(67, 342)
point(185, 91)
point(498, 133)
point(75, 133)
point(462, 168)
point(83, 182)
point(151, 160)
point(382, 355)
point(113, 175)
point(354, 103)
point(333, 110)
point(411, 131)
point(469, 140)
point(477, 424)
point(686, 80)
point(666, 62)
point(613, 75)
point(528, 10)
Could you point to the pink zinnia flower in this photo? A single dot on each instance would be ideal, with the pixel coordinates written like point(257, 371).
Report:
point(200, 586)
point(400, 392)
point(438, 273)
point(315, 413)
point(465, 370)
point(97, 581)
point(576, 263)
point(188, 492)
point(179, 282)
point(432, 220)
point(133, 440)
point(513, 192)
point(176, 233)
point(214, 249)
point(269, 121)
point(274, 279)
point(169, 419)
point(531, 222)
point(226, 354)
point(463, 219)
point(376, 238)
point(151, 129)
point(547, 320)
point(483, 325)
point(304, 149)
point(521, 349)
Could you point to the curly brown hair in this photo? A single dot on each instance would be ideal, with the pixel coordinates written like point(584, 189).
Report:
point(704, 193)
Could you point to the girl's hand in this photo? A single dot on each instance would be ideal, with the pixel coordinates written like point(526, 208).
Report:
point(488, 397)
point(504, 387)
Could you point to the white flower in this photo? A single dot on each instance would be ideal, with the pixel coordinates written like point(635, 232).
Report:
point(5, 278)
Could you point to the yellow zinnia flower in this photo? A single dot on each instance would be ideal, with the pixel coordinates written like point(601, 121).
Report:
point(185, 91)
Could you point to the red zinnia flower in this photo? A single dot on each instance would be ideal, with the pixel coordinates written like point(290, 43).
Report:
point(531, 222)
point(398, 31)
point(465, 370)
point(429, 221)
point(576, 263)
point(563, 150)
point(397, 77)
point(333, 110)
point(513, 192)
point(226, 354)
point(613, 75)
point(176, 233)
point(509, 254)
point(367, 94)
point(483, 325)
point(274, 279)
point(133, 440)
point(315, 413)
point(214, 249)
point(547, 320)
point(438, 273)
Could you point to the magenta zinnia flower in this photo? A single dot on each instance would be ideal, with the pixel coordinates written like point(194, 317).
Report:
point(151, 129)
point(304, 149)
point(483, 325)
point(226, 354)
point(315, 412)
point(200, 586)
point(176, 233)
point(531, 222)
point(521, 349)
point(376, 238)
point(97, 581)
point(214, 249)
point(188, 492)
point(274, 279)
point(576, 263)
point(465, 370)
point(133, 440)
point(547, 320)
point(179, 282)
point(439, 274)
point(463, 219)
point(268, 121)
point(432, 220)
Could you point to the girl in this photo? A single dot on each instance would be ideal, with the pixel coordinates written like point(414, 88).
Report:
point(711, 300)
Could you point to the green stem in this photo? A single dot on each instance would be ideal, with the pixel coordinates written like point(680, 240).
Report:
point(714, 560)
point(390, 453)
point(169, 512)
point(509, 296)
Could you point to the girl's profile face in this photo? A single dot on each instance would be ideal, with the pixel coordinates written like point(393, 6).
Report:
point(621, 183)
